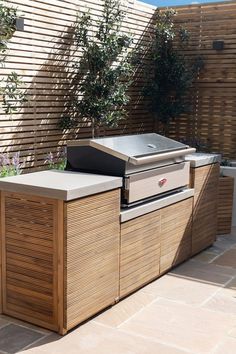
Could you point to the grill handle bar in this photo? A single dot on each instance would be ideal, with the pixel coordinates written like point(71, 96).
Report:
point(160, 157)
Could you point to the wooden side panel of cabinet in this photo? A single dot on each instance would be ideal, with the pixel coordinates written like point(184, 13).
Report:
point(176, 234)
point(92, 256)
point(225, 205)
point(32, 250)
point(139, 252)
point(205, 181)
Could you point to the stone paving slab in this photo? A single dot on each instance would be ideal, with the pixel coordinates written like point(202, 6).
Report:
point(228, 346)
point(125, 309)
point(227, 259)
point(187, 289)
point(94, 338)
point(193, 329)
point(13, 337)
point(191, 310)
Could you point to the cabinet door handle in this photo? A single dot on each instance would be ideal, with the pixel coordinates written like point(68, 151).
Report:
point(162, 182)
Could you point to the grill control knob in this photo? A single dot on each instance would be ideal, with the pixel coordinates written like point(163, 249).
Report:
point(162, 182)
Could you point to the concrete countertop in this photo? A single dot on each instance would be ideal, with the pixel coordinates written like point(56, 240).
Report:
point(201, 159)
point(63, 185)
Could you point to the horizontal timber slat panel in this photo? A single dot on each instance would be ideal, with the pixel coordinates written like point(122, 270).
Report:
point(212, 120)
point(43, 55)
point(30, 238)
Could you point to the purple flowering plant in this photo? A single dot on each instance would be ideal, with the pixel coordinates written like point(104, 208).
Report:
point(10, 166)
point(56, 161)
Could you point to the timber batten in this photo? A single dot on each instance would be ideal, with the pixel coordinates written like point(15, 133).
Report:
point(205, 181)
point(42, 56)
point(30, 258)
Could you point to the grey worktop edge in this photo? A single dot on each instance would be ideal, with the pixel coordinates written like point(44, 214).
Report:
point(146, 208)
point(59, 194)
point(86, 191)
point(201, 159)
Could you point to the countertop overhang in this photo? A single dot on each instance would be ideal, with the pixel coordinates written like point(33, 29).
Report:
point(202, 159)
point(62, 185)
point(128, 214)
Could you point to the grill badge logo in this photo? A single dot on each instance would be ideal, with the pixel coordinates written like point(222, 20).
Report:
point(162, 182)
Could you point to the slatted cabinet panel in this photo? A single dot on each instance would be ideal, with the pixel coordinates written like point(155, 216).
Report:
point(225, 205)
point(153, 243)
point(30, 237)
point(92, 259)
point(139, 251)
point(63, 262)
point(205, 181)
point(176, 234)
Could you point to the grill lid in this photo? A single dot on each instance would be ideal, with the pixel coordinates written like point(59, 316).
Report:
point(128, 147)
point(139, 145)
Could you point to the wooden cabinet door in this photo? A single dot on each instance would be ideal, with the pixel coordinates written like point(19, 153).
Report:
point(139, 252)
point(176, 234)
point(225, 205)
point(92, 257)
point(205, 181)
point(31, 274)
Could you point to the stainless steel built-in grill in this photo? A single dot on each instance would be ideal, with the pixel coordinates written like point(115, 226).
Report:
point(150, 164)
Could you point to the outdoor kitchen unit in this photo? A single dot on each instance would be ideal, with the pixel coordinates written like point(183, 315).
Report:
point(151, 165)
point(68, 248)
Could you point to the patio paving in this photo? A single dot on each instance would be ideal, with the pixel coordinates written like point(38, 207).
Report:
point(192, 309)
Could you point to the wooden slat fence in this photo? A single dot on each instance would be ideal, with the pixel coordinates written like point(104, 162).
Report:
point(213, 118)
point(43, 55)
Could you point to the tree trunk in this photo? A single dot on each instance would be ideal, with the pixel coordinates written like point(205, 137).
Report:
point(93, 127)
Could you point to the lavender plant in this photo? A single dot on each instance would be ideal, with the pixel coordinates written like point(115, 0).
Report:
point(56, 161)
point(10, 166)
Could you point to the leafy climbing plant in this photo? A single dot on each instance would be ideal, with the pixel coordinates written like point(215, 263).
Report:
point(7, 26)
point(11, 87)
point(103, 74)
point(12, 93)
point(171, 74)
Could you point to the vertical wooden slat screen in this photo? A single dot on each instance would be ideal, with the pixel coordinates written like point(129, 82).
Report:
point(43, 55)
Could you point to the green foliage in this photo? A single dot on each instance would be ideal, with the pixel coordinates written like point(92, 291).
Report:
point(172, 74)
point(11, 87)
point(7, 27)
point(56, 161)
point(10, 166)
point(103, 74)
point(197, 143)
point(12, 93)
point(67, 122)
point(225, 162)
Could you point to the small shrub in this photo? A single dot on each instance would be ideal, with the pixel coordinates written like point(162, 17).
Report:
point(103, 75)
point(56, 161)
point(170, 74)
point(11, 87)
point(10, 166)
